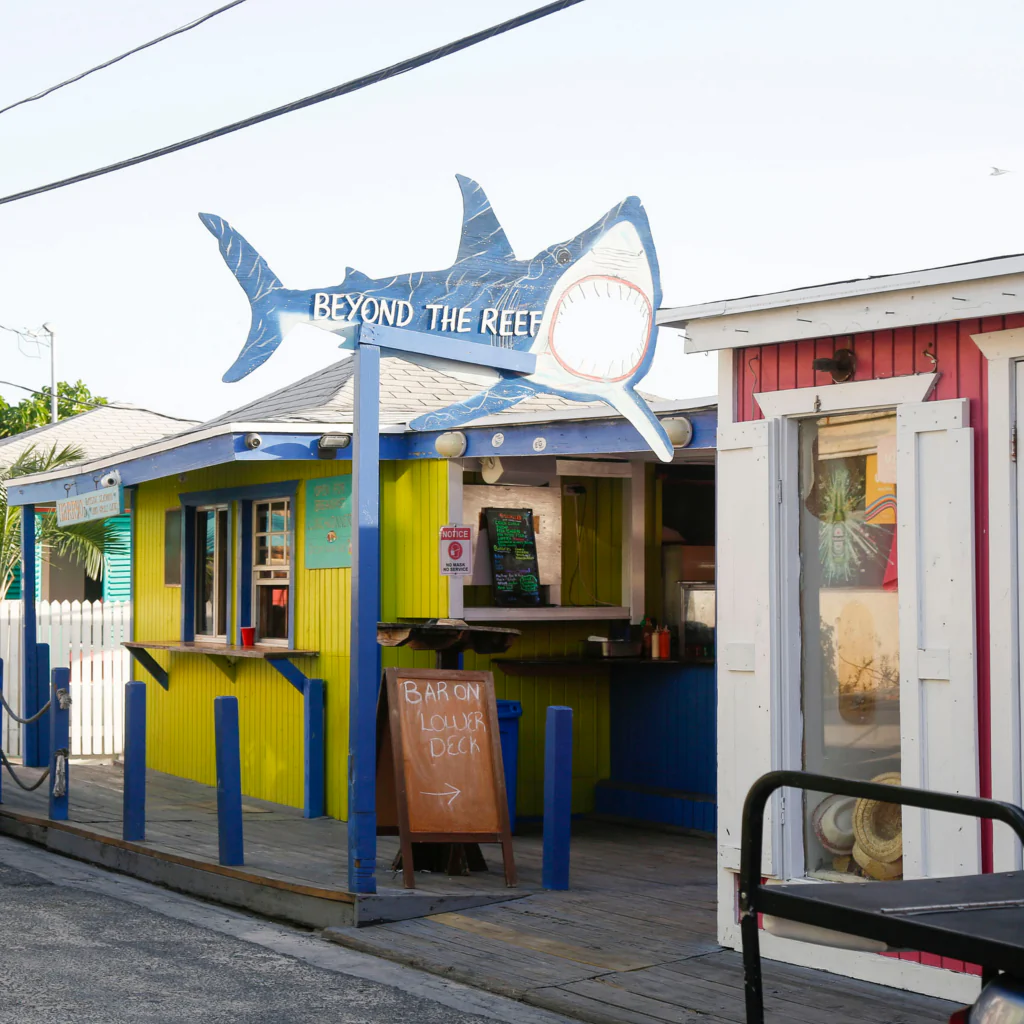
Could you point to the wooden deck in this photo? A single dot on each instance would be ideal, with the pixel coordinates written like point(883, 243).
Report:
point(633, 942)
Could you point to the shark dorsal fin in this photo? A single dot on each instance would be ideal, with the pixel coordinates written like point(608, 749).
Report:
point(482, 235)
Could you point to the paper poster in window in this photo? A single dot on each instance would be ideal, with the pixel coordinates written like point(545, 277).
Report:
point(329, 523)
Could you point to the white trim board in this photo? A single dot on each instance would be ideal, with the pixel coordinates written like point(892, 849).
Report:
point(812, 313)
point(1003, 349)
point(858, 394)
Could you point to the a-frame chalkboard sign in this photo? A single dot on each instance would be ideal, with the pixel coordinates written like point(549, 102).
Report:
point(439, 770)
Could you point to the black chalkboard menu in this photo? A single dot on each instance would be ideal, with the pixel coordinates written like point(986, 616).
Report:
point(515, 575)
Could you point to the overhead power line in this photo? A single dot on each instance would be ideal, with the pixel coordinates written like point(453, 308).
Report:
point(410, 64)
point(114, 60)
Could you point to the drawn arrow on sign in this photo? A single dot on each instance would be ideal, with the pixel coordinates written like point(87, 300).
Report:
point(450, 791)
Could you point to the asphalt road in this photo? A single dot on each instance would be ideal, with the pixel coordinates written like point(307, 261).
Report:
point(78, 944)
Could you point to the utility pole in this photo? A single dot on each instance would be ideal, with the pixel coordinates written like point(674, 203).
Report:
point(48, 327)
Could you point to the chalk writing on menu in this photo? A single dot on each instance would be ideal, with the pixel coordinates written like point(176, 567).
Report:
point(515, 575)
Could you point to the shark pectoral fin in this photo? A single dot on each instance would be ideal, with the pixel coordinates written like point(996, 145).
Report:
point(638, 412)
point(504, 394)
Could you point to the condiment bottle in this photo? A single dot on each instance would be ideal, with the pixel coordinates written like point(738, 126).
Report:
point(656, 644)
point(666, 642)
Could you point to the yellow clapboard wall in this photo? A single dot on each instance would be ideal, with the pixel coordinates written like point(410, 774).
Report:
point(414, 504)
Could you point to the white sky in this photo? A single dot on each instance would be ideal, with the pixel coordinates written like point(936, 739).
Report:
point(774, 145)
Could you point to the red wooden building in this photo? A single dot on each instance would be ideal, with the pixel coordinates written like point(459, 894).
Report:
point(868, 585)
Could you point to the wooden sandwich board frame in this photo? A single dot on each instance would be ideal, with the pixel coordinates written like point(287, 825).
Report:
point(392, 794)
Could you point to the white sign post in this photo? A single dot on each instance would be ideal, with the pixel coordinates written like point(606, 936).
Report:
point(456, 550)
point(107, 501)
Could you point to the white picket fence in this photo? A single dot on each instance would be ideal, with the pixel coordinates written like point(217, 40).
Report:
point(85, 637)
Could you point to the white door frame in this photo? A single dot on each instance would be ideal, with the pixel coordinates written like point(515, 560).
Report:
point(1003, 350)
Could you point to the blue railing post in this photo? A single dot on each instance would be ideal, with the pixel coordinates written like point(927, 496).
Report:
point(44, 748)
point(229, 780)
point(133, 817)
point(557, 798)
point(313, 758)
point(1, 744)
point(364, 678)
point(60, 744)
point(31, 701)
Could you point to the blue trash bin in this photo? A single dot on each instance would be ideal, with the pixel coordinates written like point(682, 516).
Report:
point(509, 713)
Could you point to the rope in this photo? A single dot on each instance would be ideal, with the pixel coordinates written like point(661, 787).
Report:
point(28, 789)
point(25, 721)
point(63, 699)
point(60, 778)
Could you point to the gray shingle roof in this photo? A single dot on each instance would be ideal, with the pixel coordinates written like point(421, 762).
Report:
point(98, 432)
point(406, 390)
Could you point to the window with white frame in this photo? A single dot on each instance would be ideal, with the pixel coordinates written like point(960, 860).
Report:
point(271, 568)
point(211, 572)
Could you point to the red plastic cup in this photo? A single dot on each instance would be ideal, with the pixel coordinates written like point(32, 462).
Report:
point(248, 636)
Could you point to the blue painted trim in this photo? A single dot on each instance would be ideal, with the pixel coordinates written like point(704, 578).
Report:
point(224, 495)
point(60, 740)
point(134, 807)
point(29, 671)
point(243, 594)
point(294, 675)
point(444, 346)
point(152, 666)
point(365, 612)
point(229, 781)
point(557, 798)
point(314, 789)
point(188, 574)
point(229, 556)
point(213, 451)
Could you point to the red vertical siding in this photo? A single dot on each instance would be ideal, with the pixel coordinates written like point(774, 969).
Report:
point(948, 348)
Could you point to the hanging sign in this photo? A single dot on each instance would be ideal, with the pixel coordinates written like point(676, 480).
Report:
point(456, 551)
point(584, 307)
point(101, 504)
point(439, 770)
point(329, 523)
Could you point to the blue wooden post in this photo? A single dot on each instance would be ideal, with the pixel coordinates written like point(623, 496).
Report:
point(42, 728)
point(364, 677)
point(60, 745)
point(1, 694)
point(133, 817)
point(30, 703)
point(229, 780)
point(313, 727)
point(557, 798)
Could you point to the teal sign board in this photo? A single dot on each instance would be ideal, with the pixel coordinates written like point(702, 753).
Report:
point(329, 523)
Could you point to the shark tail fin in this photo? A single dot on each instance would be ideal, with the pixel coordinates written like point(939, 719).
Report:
point(638, 412)
point(267, 296)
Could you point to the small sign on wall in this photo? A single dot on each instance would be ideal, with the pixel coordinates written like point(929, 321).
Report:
point(456, 550)
point(329, 523)
point(107, 501)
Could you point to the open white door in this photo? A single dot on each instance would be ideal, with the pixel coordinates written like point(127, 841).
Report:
point(747, 500)
point(938, 675)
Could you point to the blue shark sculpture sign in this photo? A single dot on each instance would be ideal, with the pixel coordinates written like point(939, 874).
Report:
point(584, 307)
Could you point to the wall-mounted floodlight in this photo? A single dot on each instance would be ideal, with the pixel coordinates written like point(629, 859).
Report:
point(330, 444)
point(451, 444)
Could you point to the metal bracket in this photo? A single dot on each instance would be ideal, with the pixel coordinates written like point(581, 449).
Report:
point(152, 666)
point(224, 662)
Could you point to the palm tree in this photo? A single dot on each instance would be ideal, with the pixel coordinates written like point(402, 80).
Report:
point(85, 543)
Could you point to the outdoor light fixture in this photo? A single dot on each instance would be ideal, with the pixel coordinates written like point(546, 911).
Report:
point(679, 430)
point(451, 444)
point(491, 469)
point(330, 444)
point(842, 365)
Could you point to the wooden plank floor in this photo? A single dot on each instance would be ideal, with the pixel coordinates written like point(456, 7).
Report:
point(633, 942)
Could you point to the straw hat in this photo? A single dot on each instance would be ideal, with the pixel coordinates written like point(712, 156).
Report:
point(875, 868)
point(832, 821)
point(878, 827)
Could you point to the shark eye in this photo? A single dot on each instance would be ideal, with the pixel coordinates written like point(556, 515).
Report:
point(563, 256)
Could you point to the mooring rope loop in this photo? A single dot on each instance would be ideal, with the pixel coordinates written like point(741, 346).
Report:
point(60, 777)
point(63, 699)
point(42, 778)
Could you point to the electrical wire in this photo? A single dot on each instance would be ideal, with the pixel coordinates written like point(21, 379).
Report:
point(60, 397)
point(410, 64)
point(114, 60)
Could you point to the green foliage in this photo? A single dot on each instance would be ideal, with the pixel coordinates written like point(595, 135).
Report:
point(34, 411)
point(85, 543)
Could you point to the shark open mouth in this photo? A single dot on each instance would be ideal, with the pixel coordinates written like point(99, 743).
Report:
point(596, 307)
